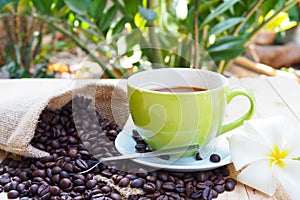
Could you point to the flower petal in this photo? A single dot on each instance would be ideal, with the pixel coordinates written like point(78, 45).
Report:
point(289, 177)
point(270, 129)
point(244, 150)
point(259, 175)
point(292, 142)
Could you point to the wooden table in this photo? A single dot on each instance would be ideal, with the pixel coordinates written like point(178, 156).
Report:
point(274, 96)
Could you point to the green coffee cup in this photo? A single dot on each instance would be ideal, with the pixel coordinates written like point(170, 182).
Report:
point(166, 117)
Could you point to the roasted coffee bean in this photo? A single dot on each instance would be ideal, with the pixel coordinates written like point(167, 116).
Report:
point(106, 189)
point(54, 190)
point(179, 188)
point(137, 183)
point(91, 183)
point(149, 187)
point(169, 186)
point(163, 197)
point(201, 176)
point(231, 180)
point(13, 194)
point(115, 196)
point(189, 188)
point(79, 189)
point(198, 156)
point(81, 164)
point(219, 188)
point(163, 176)
point(151, 178)
point(65, 183)
point(197, 195)
point(229, 186)
point(215, 158)
point(4, 180)
point(124, 182)
point(207, 194)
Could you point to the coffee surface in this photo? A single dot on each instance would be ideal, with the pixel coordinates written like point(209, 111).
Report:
point(179, 89)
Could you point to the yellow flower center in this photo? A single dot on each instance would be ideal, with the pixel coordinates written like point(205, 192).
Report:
point(277, 156)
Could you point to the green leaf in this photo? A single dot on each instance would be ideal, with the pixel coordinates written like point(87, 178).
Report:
point(267, 6)
point(97, 7)
point(77, 6)
point(107, 18)
point(207, 5)
point(43, 6)
point(131, 6)
point(227, 54)
point(224, 25)
point(147, 13)
point(227, 48)
point(219, 10)
point(119, 26)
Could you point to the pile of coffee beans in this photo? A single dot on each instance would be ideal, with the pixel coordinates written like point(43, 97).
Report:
point(76, 137)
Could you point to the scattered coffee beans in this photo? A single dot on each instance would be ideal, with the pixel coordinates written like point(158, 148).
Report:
point(75, 138)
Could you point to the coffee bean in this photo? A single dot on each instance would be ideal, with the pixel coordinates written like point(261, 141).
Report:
point(81, 164)
point(229, 186)
point(124, 182)
point(198, 156)
point(54, 190)
point(65, 183)
point(215, 158)
point(151, 178)
point(219, 188)
point(207, 194)
point(197, 195)
point(78, 182)
point(56, 170)
point(115, 196)
point(149, 187)
point(21, 187)
point(231, 180)
point(169, 186)
point(137, 183)
point(13, 194)
point(91, 183)
point(4, 180)
point(179, 188)
point(106, 189)
point(79, 189)
point(201, 176)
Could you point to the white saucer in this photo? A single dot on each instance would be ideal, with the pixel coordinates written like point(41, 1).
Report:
point(125, 144)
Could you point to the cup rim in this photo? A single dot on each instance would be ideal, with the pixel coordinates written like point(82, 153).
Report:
point(224, 81)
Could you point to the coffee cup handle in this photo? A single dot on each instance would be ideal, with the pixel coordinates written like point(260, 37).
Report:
point(238, 122)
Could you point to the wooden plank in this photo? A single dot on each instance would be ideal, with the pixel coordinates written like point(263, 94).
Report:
point(268, 104)
point(289, 91)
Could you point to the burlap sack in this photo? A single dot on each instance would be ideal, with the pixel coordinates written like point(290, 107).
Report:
point(22, 101)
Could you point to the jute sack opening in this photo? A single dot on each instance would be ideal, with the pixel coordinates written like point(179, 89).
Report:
point(22, 101)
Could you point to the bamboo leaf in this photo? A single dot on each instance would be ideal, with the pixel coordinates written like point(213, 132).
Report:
point(224, 25)
point(96, 8)
point(227, 54)
point(131, 6)
point(219, 10)
point(77, 6)
point(107, 18)
point(43, 6)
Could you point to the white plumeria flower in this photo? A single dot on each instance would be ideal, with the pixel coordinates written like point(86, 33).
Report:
point(267, 154)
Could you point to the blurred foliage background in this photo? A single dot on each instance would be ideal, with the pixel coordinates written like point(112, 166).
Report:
point(126, 36)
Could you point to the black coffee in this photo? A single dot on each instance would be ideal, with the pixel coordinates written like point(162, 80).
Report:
point(179, 89)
